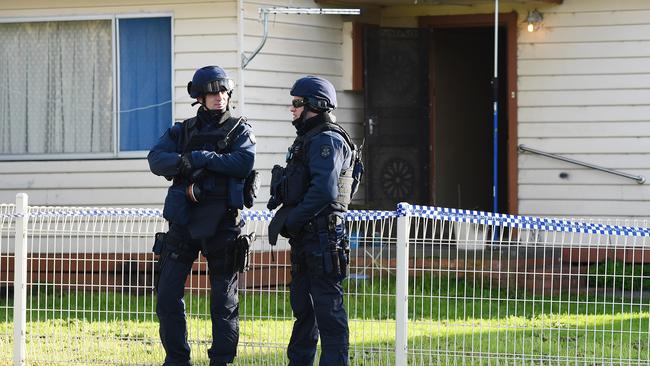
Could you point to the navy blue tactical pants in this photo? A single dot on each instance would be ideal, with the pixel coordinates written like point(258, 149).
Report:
point(317, 303)
point(224, 303)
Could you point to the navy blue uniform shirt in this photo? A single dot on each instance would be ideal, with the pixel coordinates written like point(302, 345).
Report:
point(328, 154)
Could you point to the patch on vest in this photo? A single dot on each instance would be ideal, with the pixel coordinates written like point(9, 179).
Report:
point(325, 151)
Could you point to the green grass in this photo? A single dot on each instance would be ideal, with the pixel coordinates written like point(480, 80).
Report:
point(449, 323)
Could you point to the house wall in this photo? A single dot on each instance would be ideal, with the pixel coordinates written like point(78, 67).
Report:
point(583, 83)
point(204, 32)
point(583, 92)
point(297, 45)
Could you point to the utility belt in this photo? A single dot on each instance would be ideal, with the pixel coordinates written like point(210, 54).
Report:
point(315, 263)
point(237, 255)
point(324, 223)
point(332, 258)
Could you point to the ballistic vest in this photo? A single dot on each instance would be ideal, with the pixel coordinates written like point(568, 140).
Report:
point(220, 192)
point(297, 173)
point(217, 140)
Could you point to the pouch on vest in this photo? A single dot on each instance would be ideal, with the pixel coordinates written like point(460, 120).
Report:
point(177, 207)
point(251, 188)
point(295, 184)
point(158, 243)
point(235, 193)
point(357, 171)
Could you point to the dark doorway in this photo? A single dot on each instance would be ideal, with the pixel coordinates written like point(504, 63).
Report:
point(396, 116)
point(461, 70)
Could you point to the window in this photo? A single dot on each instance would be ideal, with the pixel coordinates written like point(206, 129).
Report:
point(68, 89)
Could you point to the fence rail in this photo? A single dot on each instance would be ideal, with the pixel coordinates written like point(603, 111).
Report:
point(427, 286)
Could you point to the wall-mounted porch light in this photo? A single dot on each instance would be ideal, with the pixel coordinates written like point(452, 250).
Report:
point(534, 20)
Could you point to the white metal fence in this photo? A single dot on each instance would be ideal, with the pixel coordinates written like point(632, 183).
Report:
point(427, 286)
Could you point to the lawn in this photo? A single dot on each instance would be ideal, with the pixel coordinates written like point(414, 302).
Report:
point(450, 322)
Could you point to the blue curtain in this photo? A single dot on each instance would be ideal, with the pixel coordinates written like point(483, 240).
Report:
point(144, 81)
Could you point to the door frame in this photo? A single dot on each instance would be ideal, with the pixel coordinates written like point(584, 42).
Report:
point(509, 20)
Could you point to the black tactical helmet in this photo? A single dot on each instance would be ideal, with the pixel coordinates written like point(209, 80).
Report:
point(209, 79)
point(318, 92)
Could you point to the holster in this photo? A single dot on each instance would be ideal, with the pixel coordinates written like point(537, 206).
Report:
point(158, 246)
point(166, 247)
point(333, 256)
point(240, 254)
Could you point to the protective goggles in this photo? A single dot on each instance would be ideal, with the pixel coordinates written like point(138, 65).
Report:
point(297, 103)
point(219, 85)
point(214, 86)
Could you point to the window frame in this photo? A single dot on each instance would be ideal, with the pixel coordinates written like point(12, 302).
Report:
point(115, 52)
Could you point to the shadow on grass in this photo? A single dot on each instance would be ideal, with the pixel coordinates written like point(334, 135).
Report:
point(614, 340)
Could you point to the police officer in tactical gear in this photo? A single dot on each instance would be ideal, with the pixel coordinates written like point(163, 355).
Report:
point(314, 189)
point(208, 158)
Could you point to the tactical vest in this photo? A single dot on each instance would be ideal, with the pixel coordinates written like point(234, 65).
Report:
point(217, 140)
point(297, 175)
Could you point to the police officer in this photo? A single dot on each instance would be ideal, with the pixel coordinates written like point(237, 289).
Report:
point(208, 158)
point(314, 190)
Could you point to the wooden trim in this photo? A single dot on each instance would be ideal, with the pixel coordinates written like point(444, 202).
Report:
point(510, 21)
point(511, 97)
point(370, 3)
point(134, 271)
point(357, 56)
point(465, 21)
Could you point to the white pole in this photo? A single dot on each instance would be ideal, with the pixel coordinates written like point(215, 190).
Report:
point(240, 49)
point(495, 114)
point(20, 279)
point(496, 38)
point(401, 295)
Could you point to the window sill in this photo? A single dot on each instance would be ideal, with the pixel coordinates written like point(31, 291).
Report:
point(89, 156)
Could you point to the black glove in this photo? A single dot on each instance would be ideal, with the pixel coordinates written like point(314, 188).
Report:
point(273, 203)
point(276, 226)
point(276, 187)
point(288, 233)
point(185, 166)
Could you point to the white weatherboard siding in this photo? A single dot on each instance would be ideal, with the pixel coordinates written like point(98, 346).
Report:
point(297, 45)
point(204, 33)
point(584, 92)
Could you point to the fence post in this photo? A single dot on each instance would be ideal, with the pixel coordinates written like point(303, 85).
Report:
point(20, 279)
point(401, 295)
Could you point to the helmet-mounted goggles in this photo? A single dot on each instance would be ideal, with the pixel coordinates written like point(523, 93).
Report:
point(319, 104)
point(297, 103)
point(214, 86)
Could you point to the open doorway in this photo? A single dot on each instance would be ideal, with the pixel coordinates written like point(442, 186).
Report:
point(461, 62)
point(462, 118)
point(428, 113)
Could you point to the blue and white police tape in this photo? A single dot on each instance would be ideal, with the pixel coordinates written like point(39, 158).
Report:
point(403, 210)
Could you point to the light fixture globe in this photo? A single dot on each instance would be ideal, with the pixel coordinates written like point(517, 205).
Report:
point(534, 20)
